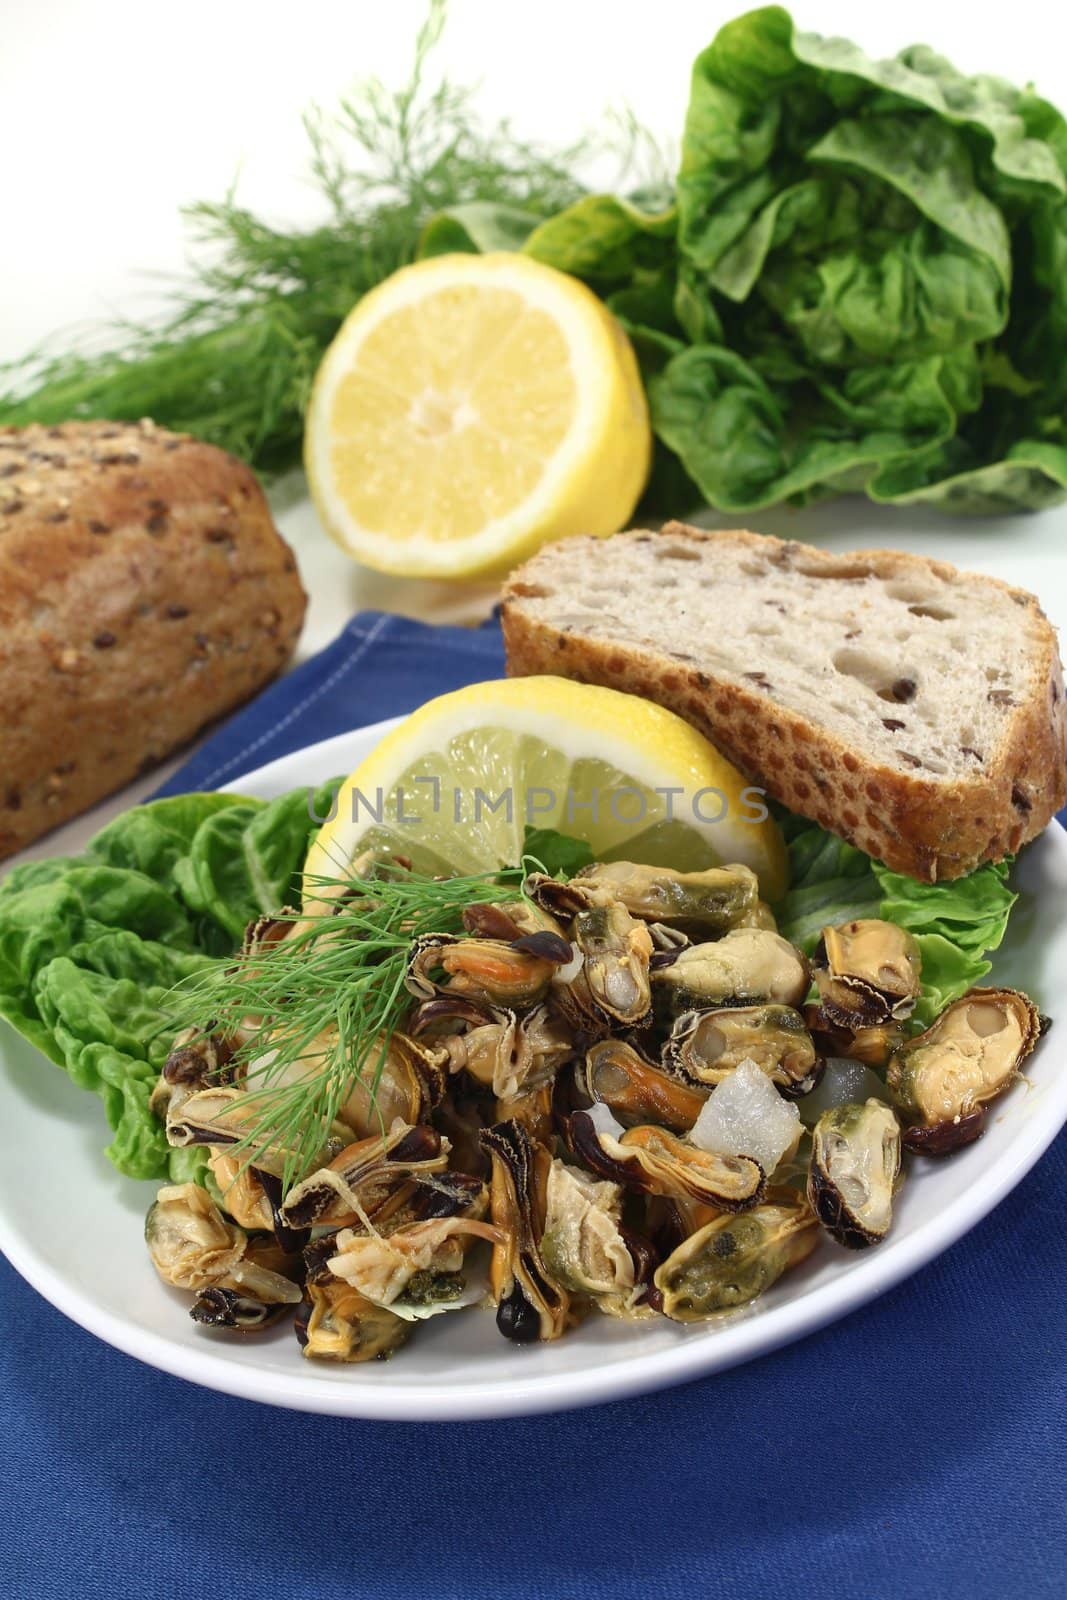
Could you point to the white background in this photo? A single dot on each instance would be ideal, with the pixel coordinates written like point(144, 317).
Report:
point(115, 113)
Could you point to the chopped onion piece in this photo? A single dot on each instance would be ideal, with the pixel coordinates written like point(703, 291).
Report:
point(746, 1116)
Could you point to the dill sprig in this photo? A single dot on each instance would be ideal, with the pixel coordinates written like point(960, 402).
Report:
point(234, 359)
point(325, 1001)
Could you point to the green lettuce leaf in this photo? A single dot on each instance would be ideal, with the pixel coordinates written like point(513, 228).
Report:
point(860, 285)
point(92, 947)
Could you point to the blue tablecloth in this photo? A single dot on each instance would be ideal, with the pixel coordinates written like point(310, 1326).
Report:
point(917, 1449)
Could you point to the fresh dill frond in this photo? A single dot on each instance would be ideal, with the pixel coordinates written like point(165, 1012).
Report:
point(234, 359)
point(317, 1009)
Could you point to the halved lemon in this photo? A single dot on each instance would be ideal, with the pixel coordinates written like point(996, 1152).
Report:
point(470, 409)
point(455, 786)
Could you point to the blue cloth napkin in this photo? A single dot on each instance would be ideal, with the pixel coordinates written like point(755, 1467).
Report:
point(917, 1449)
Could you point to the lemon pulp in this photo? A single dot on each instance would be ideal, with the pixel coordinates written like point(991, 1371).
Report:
point(470, 409)
point(456, 785)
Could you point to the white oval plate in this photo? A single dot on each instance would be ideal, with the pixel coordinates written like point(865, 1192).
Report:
point(97, 1272)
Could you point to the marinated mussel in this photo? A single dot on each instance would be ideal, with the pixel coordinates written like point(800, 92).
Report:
point(413, 1271)
point(584, 1245)
point(363, 1175)
point(227, 1308)
point(192, 1246)
point(490, 970)
point(531, 1304)
point(944, 1079)
point(706, 1046)
point(854, 1171)
point(508, 1052)
point(399, 1079)
point(615, 1073)
point(731, 1260)
point(197, 1060)
point(873, 1046)
point(746, 965)
point(611, 989)
point(868, 972)
point(652, 1160)
point(704, 905)
point(336, 1323)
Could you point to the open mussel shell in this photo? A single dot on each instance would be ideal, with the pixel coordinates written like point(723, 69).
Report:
point(652, 1160)
point(531, 1304)
point(362, 1176)
point(944, 1079)
point(336, 1323)
point(615, 948)
point(745, 966)
point(868, 972)
point(615, 1073)
point(732, 1259)
point(227, 1308)
point(707, 1046)
point(853, 1173)
point(585, 1246)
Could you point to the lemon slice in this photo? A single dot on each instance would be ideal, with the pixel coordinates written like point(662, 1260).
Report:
point(455, 785)
point(470, 409)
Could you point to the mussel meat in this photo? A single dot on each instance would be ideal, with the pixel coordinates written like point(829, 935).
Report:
point(510, 1054)
point(197, 1060)
point(364, 1175)
point(612, 986)
point(944, 1079)
point(227, 1308)
point(873, 1046)
point(400, 1078)
point(654, 1161)
point(617, 1074)
point(706, 1046)
point(531, 1304)
point(868, 972)
point(336, 1323)
point(490, 970)
point(731, 1260)
point(746, 965)
point(584, 1245)
point(855, 1165)
point(703, 905)
point(221, 1118)
point(192, 1246)
point(413, 1271)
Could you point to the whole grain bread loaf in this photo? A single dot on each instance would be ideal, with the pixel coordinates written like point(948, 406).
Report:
point(914, 709)
point(144, 591)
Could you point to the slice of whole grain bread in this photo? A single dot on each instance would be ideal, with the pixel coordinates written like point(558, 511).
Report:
point(914, 709)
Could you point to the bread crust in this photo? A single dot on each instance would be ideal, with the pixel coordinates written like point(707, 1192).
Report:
point(928, 828)
point(144, 591)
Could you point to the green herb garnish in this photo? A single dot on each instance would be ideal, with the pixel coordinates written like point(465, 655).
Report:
point(233, 362)
point(329, 998)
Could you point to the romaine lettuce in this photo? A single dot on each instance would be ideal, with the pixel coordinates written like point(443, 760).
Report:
point(857, 282)
point(92, 946)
